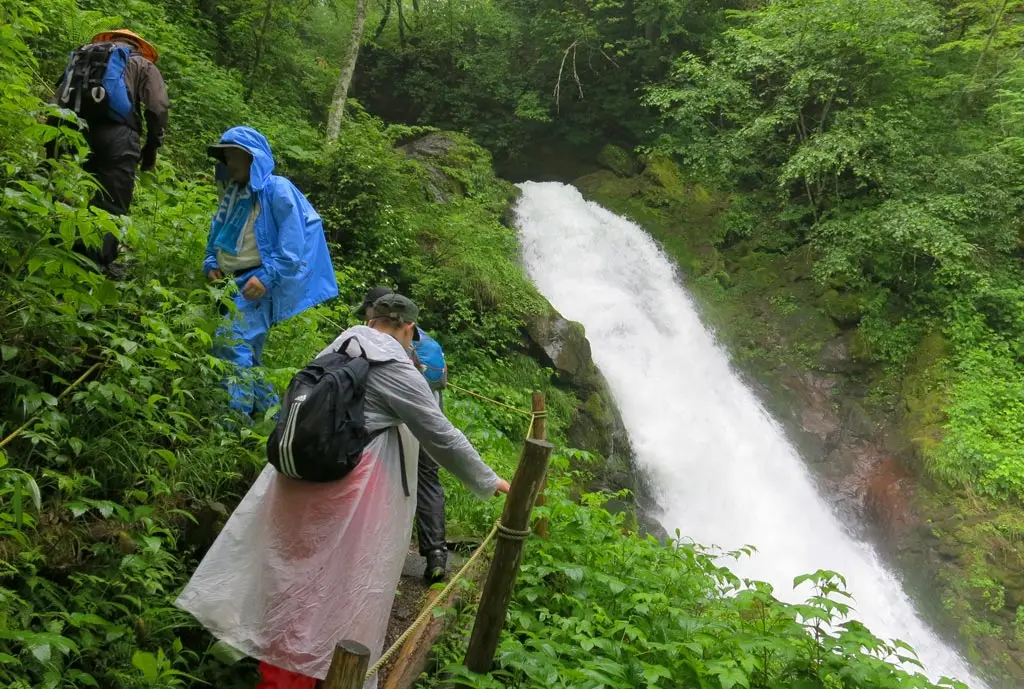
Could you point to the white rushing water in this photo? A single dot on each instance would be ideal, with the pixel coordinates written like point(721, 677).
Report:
point(723, 471)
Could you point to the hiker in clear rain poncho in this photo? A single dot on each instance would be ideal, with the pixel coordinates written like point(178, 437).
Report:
point(268, 239)
point(430, 518)
point(302, 565)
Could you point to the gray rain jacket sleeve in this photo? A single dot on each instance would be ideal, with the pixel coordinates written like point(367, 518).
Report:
point(407, 395)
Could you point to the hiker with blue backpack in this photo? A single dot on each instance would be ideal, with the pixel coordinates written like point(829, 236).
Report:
point(267, 239)
point(428, 357)
point(314, 552)
point(113, 86)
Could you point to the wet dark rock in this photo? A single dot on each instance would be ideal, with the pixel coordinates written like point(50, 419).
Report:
point(432, 145)
point(562, 344)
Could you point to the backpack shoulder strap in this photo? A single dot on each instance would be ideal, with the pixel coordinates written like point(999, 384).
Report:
point(401, 462)
point(344, 346)
point(401, 454)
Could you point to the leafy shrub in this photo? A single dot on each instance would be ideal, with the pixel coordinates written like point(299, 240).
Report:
point(597, 605)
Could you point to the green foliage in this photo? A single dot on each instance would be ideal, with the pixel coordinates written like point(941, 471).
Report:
point(125, 461)
point(577, 68)
point(875, 134)
point(206, 97)
point(597, 605)
point(984, 444)
point(128, 461)
point(455, 259)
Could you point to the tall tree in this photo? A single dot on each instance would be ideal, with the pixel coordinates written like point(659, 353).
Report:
point(347, 70)
point(261, 43)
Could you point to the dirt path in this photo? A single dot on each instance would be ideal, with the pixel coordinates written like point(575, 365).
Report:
point(412, 591)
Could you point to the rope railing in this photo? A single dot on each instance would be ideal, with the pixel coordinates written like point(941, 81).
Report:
point(32, 419)
point(499, 530)
point(429, 608)
point(524, 412)
point(534, 415)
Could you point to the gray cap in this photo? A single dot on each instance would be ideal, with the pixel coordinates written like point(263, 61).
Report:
point(397, 307)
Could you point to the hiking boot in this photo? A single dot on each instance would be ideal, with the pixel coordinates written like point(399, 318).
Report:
point(114, 271)
point(437, 562)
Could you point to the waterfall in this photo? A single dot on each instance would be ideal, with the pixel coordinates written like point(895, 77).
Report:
point(721, 468)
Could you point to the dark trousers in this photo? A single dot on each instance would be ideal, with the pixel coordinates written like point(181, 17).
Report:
point(429, 506)
point(114, 154)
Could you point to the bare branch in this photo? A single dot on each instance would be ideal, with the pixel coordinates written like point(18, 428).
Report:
point(576, 75)
point(608, 57)
point(561, 67)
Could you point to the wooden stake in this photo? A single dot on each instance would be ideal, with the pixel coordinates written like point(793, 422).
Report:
point(348, 666)
point(540, 423)
point(490, 618)
point(540, 432)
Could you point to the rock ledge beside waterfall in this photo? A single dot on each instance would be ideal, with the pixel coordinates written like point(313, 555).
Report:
point(454, 168)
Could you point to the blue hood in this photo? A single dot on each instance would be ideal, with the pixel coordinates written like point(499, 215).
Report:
point(296, 265)
point(259, 148)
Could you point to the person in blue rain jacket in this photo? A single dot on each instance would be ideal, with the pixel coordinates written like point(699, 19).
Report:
point(268, 239)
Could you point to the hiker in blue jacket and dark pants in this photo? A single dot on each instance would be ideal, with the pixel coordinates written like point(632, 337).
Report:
point(268, 239)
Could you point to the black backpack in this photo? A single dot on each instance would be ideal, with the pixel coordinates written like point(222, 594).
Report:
point(321, 432)
point(93, 83)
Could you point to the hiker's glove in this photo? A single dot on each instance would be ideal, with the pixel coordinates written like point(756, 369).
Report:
point(148, 159)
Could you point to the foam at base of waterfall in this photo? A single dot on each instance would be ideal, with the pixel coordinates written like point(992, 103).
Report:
point(723, 471)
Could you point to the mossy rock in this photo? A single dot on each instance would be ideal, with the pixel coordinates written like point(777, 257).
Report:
point(618, 160)
point(596, 408)
point(974, 543)
point(845, 308)
point(455, 165)
point(607, 187)
point(923, 396)
point(860, 347)
point(563, 345)
point(662, 171)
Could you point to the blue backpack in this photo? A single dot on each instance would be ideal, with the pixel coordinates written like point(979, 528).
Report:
point(430, 358)
point(93, 83)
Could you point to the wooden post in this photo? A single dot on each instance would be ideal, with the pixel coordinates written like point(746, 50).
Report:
point(540, 423)
point(348, 666)
point(540, 432)
point(490, 618)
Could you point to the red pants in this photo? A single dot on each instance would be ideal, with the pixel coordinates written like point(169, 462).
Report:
point(278, 678)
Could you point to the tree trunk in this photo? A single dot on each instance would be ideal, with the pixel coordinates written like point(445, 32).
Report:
point(347, 70)
point(991, 35)
point(261, 41)
point(401, 22)
point(383, 20)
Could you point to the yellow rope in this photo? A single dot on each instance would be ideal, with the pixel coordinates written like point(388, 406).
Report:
point(476, 554)
point(68, 389)
point(433, 604)
point(492, 401)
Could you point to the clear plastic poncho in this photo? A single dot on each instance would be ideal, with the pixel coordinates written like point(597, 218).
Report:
point(301, 565)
